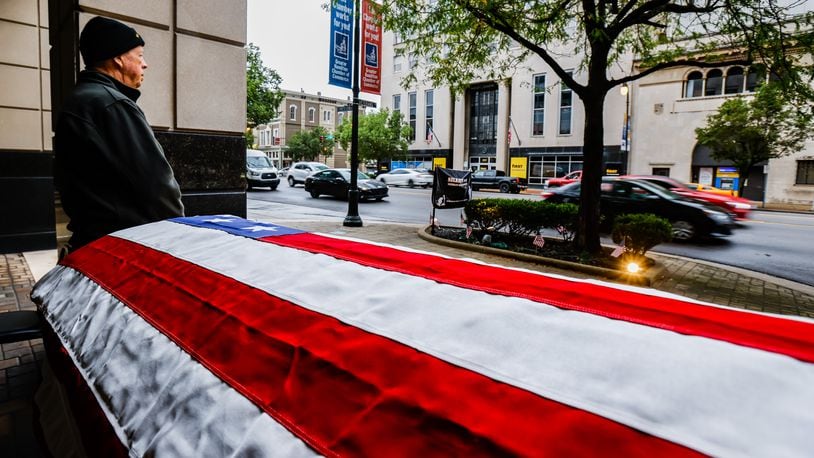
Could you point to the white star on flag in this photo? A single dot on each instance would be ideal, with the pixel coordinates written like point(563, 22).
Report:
point(219, 220)
point(260, 228)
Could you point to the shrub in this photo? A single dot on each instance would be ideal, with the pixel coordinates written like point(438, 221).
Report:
point(484, 213)
point(641, 232)
point(522, 217)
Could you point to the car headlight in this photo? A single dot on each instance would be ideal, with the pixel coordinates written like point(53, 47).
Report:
point(739, 205)
point(718, 216)
point(253, 173)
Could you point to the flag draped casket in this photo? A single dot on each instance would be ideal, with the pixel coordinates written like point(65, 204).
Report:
point(213, 336)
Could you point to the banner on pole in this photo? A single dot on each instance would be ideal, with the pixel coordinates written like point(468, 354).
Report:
point(371, 49)
point(340, 68)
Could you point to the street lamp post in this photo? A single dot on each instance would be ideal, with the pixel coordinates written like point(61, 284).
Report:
point(353, 219)
point(625, 91)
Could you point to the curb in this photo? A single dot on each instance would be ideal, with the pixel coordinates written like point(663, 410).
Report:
point(644, 279)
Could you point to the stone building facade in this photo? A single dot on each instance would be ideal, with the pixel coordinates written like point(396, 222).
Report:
point(193, 96)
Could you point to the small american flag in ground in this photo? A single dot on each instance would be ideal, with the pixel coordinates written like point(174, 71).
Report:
point(619, 250)
point(468, 231)
point(539, 241)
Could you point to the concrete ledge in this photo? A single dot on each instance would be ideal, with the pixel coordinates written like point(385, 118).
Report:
point(646, 278)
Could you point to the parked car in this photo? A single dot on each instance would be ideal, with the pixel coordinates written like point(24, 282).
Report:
point(260, 172)
point(713, 189)
point(300, 170)
point(496, 179)
point(690, 218)
point(407, 177)
point(282, 172)
point(737, 205)
point(336, 182)
point(562, 181)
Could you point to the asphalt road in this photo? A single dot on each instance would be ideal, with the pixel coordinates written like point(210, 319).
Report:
point(775, 243)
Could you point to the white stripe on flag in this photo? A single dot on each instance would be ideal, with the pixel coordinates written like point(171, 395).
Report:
point(165, 403)
point(710, 395)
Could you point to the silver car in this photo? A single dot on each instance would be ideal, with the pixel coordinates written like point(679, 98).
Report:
point(407, 177)
point(300, 170)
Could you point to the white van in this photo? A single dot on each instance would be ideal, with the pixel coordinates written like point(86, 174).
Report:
point(260, 171)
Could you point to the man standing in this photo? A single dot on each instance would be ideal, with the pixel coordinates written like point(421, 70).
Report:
point(110, 170)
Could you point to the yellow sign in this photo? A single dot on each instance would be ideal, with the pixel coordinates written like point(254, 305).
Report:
point(439, 162)
point(519, 167)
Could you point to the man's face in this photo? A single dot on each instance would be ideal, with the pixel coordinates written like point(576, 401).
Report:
point(132, 67)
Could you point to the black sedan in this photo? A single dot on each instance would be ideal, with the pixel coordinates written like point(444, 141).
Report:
point(335, 182)
point(689, 218)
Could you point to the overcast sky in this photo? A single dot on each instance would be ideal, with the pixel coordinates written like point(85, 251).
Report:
point(294, 37)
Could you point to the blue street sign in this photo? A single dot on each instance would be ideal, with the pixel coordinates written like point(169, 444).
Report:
point(341, 54)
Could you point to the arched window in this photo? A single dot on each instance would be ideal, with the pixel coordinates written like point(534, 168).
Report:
point(292, 112)
point(755, 77)
point(734, 81)
point(312, 114)
point(715, 82)
point(695, 84)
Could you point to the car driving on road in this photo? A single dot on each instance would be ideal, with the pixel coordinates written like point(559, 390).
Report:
point(336, 182)
point(300, 170)
point(689, 218)
point(407, 177)
point(737, 205)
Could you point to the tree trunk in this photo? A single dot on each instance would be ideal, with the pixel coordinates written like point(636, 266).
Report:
point(587, 238)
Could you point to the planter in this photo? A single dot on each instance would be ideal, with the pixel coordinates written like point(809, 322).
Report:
point(644, 277)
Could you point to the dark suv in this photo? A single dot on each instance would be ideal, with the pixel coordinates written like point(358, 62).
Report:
point(496, 179)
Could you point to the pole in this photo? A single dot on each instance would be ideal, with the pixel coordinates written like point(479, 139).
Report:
point(353, 219)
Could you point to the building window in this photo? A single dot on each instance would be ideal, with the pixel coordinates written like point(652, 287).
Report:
point(695, 85)
point(429, 95)
point(275, 136)
point(661, 171)
point(715, 83)
point(538, 115)
point(754, 78)
point(411, 102)
point(412, 61)
point(734, 81)
point(566, 103)
point(292, 112)
point(397, 63)
point(326, 115)
point(805, 172)
point(312, 114)
point(396, 103)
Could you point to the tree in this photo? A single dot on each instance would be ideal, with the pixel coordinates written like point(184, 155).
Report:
point(748, 132)
point(471, 40)
point(382, 136)
point(263, 94)
point(307, 145)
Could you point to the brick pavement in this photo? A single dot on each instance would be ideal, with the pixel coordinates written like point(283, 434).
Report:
point(19, 364)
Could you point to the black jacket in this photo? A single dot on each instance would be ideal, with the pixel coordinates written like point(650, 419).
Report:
point(110, 171)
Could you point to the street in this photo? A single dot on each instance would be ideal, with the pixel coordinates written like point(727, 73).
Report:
point(775, 243)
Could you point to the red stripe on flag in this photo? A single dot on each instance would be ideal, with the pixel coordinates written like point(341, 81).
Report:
point(775, 334)
point(339, 388)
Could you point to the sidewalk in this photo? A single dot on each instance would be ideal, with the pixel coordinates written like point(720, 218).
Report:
point(19, 362)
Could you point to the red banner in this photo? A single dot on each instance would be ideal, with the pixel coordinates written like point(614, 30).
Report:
point(371, 76)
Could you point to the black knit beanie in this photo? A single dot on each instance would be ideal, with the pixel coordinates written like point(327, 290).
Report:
point(103, 38)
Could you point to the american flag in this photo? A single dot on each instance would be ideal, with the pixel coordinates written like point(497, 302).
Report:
point(539, 241)
point(192, 348)
point(619, 250)
point(468, 231)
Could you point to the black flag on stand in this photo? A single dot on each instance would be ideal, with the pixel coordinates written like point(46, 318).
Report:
point(451, 188)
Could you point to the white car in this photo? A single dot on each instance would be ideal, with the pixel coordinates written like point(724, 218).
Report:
point(407, 177)
point(300, 170)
